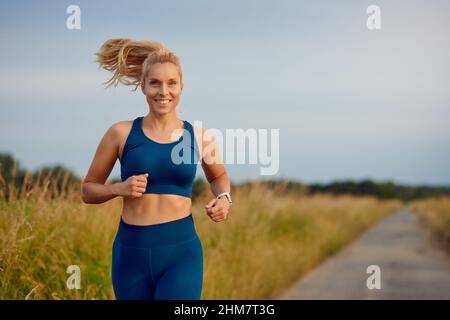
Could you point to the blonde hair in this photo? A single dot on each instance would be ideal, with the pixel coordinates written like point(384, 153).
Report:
point(130, 60)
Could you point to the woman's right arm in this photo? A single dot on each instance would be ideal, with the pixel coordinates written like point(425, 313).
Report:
point(93, 188)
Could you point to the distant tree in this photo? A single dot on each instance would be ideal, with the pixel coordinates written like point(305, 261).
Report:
point(8, 166)
point(14, 176)
point(11, 175)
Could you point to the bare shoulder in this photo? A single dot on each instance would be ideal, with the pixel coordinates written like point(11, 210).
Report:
point(122, 127)
point(203, 133)
point(120, 131)
point(207, 141)
point(202, 136)
point(198, 133)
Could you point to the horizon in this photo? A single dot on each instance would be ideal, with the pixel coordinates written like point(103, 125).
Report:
point(276, 179)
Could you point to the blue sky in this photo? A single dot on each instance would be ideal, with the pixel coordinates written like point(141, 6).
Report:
point(350, 103)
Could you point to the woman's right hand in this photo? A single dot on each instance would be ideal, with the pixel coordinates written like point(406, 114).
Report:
point(134, 186)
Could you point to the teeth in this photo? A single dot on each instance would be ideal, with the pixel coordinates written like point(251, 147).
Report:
point(163, 101)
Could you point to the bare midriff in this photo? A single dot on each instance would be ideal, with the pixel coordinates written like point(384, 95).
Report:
point(151, 208)
point(155, 208)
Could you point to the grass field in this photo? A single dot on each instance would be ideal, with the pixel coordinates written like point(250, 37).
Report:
point(434, 213)
point(271, 238)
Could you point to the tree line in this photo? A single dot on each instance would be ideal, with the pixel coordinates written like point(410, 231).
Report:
point(13, 176)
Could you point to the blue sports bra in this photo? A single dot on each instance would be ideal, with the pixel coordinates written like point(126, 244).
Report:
point(171, 166)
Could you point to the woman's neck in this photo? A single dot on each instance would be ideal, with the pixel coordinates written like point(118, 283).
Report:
point(166, 122)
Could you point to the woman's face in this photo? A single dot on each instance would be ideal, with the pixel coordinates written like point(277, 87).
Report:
point(162, 87)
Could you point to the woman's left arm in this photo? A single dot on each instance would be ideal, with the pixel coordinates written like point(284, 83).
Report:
point(220, 184)
point(216, 209)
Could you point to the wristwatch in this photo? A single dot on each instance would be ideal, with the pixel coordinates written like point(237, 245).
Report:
point(226, 194)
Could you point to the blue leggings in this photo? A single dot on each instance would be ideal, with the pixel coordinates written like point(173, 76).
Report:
point(161, 261)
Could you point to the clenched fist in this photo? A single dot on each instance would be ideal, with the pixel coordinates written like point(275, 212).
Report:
point(134, 186)
point(217, 209)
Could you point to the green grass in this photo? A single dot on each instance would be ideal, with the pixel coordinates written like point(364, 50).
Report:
point(434, 213)
point(268, 241)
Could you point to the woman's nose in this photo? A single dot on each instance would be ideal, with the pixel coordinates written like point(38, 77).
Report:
point(163, 89)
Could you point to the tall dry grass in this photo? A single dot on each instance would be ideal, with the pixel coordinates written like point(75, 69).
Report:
point(271, 238)
point(434, 213)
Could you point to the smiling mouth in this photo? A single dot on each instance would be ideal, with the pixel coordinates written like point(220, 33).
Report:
point(163, 101)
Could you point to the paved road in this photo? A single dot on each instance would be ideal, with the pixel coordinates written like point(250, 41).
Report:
point(411, 266)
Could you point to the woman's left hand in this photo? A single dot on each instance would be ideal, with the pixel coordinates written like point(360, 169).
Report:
point(217, 209)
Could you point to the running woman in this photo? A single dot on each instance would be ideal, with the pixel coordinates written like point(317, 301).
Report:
point(156, 253)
